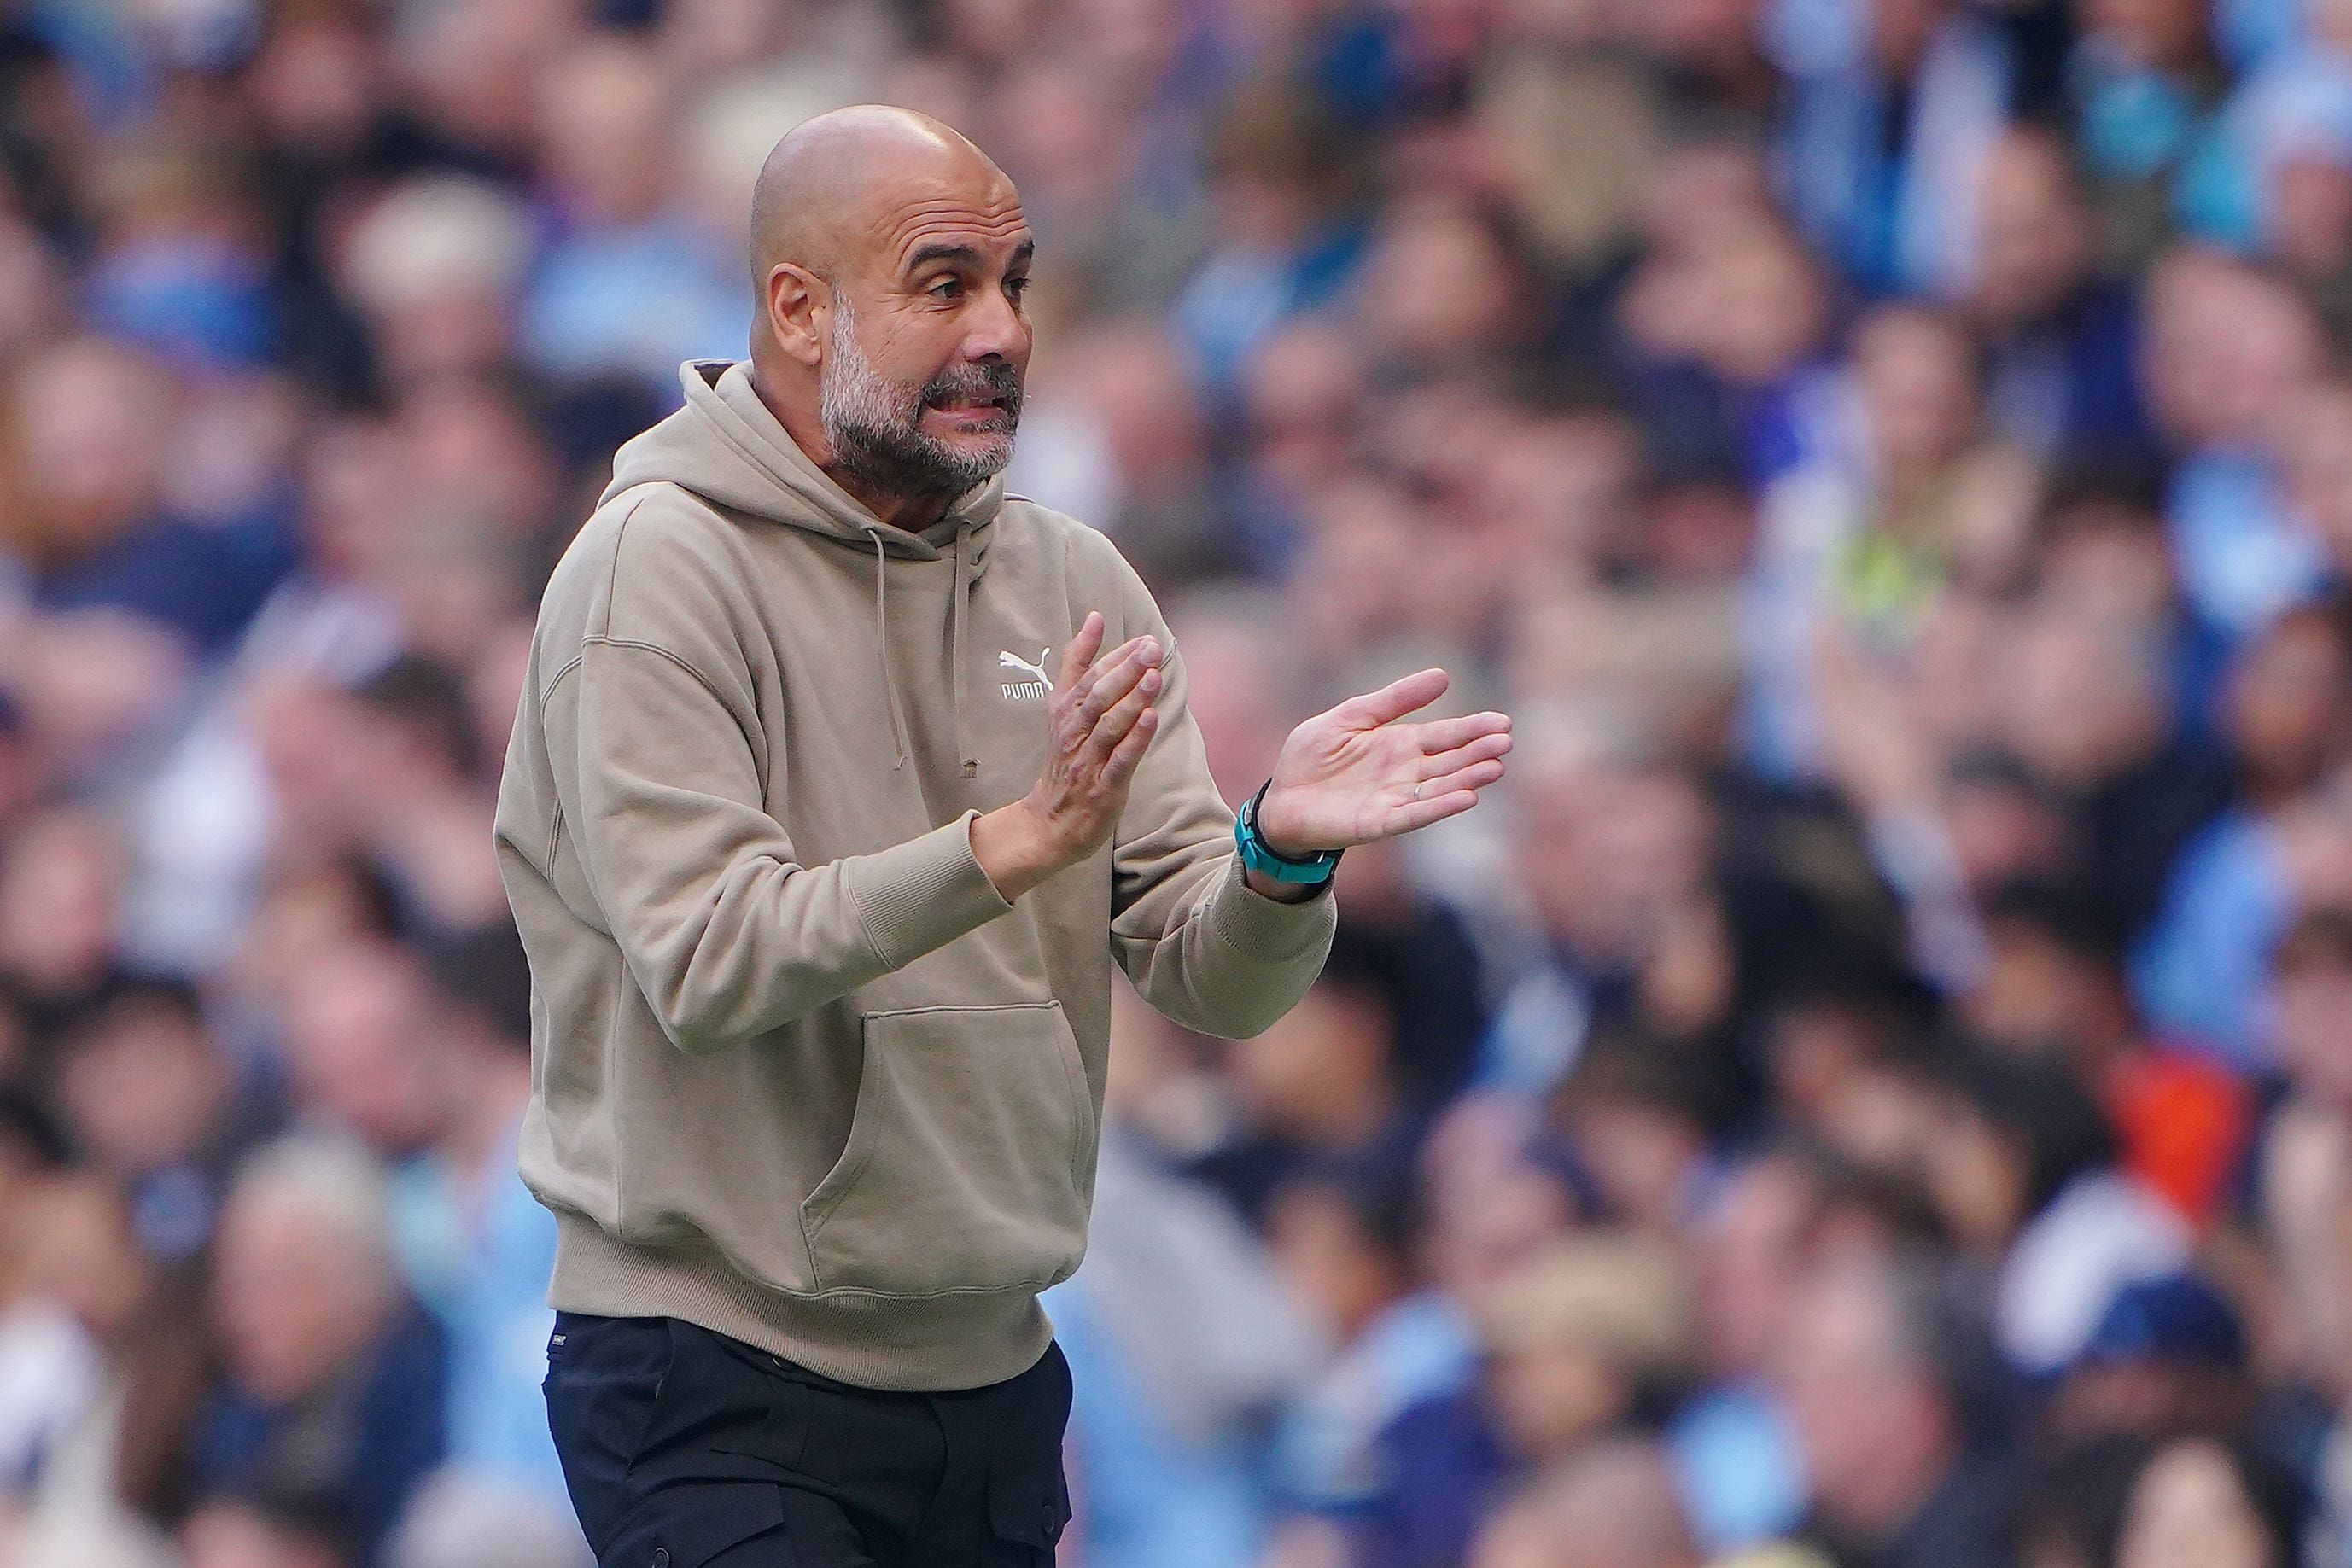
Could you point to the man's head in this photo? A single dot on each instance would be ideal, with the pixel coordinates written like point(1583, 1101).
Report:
point(1614, 1504)
point(890, 257)
point(1860, 1370)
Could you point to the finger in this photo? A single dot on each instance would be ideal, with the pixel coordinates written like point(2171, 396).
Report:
point(1082, 649)
point(1478, 750)
point(1441, 735)
point(1117, 721)
point(1110, 684)
point(1475, 776)
point(1121, 766)
point(1416, 814)
point(1117, 658)
point(1396, 699)
point(1145, 646)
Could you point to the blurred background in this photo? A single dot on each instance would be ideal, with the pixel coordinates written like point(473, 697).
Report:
point(1874, 1090)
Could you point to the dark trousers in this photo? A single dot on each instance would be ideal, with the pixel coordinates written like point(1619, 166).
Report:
point(684, 1449)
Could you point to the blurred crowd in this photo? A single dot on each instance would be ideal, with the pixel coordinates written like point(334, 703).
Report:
point(1875, 1092)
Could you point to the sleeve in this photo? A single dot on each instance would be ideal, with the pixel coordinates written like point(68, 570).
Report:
point(659, 777)
point(1200, 945)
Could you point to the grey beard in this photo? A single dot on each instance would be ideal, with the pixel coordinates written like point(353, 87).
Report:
point(873, 426)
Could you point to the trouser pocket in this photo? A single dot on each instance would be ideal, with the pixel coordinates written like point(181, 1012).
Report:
point(1028, 1492)
point(602, 1376)
point(969, 1157)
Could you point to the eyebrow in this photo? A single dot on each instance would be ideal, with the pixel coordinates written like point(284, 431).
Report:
point(963, 255)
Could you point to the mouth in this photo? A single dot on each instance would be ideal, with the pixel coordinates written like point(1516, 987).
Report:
point(962, 409)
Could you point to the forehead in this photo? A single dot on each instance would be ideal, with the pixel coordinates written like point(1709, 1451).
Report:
point(978, 209)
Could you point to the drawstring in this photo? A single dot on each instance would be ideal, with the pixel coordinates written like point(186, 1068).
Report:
point(882, 644)
point(955, 643)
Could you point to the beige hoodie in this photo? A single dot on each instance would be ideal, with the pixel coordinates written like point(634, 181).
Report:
point(800, 1075)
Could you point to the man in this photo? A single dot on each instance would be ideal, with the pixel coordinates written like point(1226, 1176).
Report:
point(1885, 1388)
point(821, 856)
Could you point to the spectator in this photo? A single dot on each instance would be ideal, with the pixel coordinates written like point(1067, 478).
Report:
point(1578, 1343)
point(332, 1378)
point(1875, 1375)
point(1613, 1507)
point(2198, 1502)
point(1890, 459)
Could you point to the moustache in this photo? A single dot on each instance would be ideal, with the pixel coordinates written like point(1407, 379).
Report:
point(996, 382)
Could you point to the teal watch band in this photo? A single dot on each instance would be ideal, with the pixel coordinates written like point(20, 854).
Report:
point(1257, 857)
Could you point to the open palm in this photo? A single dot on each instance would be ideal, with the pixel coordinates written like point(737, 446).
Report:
point(1360, 772)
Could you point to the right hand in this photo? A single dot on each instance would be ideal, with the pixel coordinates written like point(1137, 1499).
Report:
point(1099, 723)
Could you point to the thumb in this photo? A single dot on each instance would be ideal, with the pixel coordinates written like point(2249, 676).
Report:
point(1395, 700)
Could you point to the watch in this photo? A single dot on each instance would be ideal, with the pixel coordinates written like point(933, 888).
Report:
point(1313, 871)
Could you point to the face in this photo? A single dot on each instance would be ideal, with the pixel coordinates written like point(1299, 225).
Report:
point(1748, 1267)
point(1914, 376)
point(140, 1092)
point(293, 1303)
point(1849, 1398)
point(919, 387)
point(1338, 1269)
point(2033, 242)
point(1549, 1398)
point(1323, 1064)
point(2317, 442)
point(363, 1038)
point(2034, 995)
point(2311, 1012)
point(2189, 1510)
point(2288, 701)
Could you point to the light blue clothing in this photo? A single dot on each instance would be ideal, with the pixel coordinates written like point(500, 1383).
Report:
point(428, 1233)
point(2199, 974)
point(2243, 556)
point(1738, 1468)
point(1419, 1349)
point(1240, 295)
point(1537, 1033)
point(1903, 222)
point(2253, 33)
point(498, 1323)
point(1150, 1498)
point(2299, 105)
point(633, 302)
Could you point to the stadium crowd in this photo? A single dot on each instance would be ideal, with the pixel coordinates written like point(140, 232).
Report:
point(1876, 1093)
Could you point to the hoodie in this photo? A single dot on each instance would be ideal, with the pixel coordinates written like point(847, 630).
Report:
point(800, 1075)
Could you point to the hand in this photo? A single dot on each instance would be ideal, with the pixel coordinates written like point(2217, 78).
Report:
point(1359, 773)
point(1100, 720)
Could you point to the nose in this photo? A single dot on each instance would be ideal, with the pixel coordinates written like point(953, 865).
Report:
point(995, 329)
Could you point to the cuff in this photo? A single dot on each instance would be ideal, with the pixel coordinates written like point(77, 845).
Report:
point(1266, 930)
point(924, 893)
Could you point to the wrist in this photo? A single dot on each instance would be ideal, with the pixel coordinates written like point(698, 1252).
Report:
point(1266, 866)
point(1279, 837)
point(1015, 848)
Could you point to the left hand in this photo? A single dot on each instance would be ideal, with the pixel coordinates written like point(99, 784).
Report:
point(1360, 772)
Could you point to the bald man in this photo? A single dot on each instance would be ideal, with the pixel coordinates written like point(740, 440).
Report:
point(840, 781)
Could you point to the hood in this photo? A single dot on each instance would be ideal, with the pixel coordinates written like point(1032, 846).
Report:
point(727, 447)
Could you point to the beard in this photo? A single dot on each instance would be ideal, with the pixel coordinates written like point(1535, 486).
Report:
point(875, 425)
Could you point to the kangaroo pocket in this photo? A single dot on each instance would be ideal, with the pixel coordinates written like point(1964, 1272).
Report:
point(967, 1161)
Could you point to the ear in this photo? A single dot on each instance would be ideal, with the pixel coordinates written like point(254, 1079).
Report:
point(800, 306)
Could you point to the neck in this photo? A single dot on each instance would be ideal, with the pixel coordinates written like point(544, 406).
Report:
point(910, 513)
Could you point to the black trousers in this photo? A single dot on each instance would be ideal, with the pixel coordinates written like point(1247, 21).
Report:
point(684, 1449)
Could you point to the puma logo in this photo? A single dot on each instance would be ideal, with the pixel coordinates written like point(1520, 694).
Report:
point(1039, 685)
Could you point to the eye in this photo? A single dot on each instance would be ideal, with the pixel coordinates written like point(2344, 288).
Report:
point(945, 289)
point(1017, 287)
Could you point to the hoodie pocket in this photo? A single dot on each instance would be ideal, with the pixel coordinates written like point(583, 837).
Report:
point(966, 1165)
